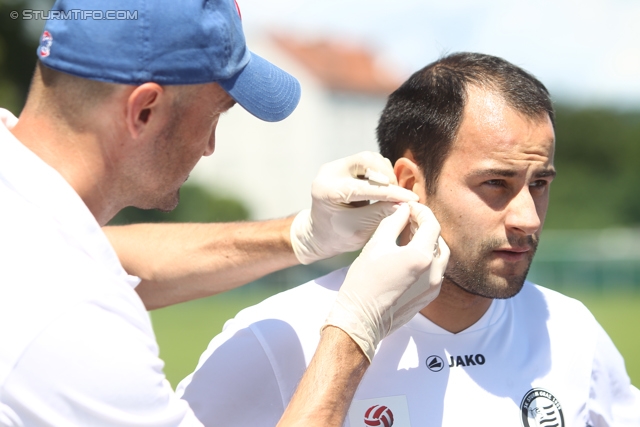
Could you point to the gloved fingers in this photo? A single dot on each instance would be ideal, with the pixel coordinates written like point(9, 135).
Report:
point(369, 216)
point(391, 226)
point(439, 263)
point(427, 231)
point(445, 252)
point(363, 163)
point(356, 190)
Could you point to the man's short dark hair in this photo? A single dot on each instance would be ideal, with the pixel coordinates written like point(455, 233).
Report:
point(424, 114)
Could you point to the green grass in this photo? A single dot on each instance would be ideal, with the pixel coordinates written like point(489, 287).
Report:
point(619, 315)
point(184, 331)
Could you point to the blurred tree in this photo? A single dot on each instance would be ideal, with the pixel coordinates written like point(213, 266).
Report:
point(18, 43)
point(196, 205)
point(598, 163)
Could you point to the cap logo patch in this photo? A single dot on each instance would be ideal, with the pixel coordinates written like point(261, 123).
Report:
point(45, 44)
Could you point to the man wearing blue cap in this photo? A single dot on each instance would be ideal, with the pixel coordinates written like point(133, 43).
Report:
point(122, 105)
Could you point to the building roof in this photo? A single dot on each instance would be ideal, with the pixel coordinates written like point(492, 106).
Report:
point(340, 66)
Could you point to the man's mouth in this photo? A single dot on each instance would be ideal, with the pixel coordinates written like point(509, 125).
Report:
point(513, 254)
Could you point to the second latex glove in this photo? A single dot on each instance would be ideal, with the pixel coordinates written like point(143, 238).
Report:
point(334, 225)
point(387, 285)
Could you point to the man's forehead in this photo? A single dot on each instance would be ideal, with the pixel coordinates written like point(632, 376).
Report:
point(490, 128)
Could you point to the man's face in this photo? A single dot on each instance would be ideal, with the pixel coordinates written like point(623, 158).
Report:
point(189, 135)
point(492, 195)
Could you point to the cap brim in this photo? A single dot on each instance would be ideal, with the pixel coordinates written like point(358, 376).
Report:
point(264, 90)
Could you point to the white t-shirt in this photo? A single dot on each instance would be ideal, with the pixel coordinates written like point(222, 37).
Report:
point(76, 343)
point(538, 359)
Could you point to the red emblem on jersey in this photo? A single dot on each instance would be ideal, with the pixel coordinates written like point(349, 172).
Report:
point(378, 415)
point(238, 9)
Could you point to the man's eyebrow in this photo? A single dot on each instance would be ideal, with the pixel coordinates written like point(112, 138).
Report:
point(507, 173)
point(510, 173)
point(546, 173)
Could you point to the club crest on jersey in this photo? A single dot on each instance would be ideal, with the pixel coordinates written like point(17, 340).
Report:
point(45, 44)
point(378, 416)
point(540, 408)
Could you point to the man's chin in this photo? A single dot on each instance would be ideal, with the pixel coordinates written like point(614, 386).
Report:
point(491, 286)
point(170, 203)
point(165, 204)
point(502, 288)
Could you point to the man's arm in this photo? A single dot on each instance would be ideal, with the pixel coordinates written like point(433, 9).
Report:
point(325, 392)
point(371, 304)
point(182, 262)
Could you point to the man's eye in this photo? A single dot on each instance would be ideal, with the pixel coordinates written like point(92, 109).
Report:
point(539, 183)
point(495, 182)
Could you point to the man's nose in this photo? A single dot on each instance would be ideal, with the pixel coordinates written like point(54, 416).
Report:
point(522, 215)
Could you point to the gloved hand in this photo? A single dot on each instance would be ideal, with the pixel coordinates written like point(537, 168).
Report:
point(388, 284)
point(337, 222)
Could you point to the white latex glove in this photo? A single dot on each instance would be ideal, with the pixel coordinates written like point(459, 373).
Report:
point(336, 223)
point(387, 285)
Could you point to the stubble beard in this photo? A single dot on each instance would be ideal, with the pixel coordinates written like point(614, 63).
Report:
point(167, 200)
point(472, 272)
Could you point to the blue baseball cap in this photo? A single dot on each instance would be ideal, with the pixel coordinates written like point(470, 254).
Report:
point(169, 42)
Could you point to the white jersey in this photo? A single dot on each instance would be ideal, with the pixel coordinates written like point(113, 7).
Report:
point(538, 359)
point(76, 343)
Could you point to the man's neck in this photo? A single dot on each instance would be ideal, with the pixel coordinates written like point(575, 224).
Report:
point(78, 157)
point(455, 309)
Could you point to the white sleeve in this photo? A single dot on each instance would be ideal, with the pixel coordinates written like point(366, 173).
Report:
point(613, 400)
point(93, 367)
point(234, 383)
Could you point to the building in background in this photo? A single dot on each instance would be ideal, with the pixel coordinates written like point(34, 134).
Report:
point(270, 166)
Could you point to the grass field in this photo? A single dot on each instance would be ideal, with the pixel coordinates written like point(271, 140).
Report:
point(183, 331)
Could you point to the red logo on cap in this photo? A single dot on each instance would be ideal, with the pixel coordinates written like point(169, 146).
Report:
point(238, 9)
point(45, 44)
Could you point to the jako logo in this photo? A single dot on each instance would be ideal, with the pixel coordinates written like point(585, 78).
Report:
point(435, 364)
point(378, 415)
point(467, 360)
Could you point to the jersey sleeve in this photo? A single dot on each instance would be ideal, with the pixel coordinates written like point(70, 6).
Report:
point(613, 400)
point(234, 383)
point(93, 367)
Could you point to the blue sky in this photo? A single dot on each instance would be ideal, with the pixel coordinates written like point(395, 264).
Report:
point(585, 51)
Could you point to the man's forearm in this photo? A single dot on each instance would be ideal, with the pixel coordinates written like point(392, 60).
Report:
point(325, 392)
point(182, 262)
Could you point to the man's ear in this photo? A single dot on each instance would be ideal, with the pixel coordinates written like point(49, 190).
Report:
point(410, 176)
point(142, 106)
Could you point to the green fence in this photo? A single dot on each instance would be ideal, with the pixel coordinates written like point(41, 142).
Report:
point(588, 260)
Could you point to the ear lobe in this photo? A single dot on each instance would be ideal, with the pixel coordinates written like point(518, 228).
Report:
point(141, 107)
point(410, 176)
